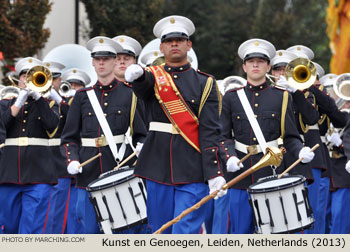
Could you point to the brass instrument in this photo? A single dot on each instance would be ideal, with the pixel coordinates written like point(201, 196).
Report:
point(9, 92)
point(341, 86)
point(64, 89)
point(301, 73)
point(38, 79)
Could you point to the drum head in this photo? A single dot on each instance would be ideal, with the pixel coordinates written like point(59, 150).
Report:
point(274, 184)
point(111, 179)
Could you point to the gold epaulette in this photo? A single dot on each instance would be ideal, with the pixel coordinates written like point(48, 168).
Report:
point(205, 95)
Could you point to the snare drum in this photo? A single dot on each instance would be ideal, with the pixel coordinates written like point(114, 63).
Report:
point(119, 200)
point(281, 205)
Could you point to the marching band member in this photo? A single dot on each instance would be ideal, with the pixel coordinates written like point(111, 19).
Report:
point(56, 217)
point(328, 109)
point(77, 79)
point(26, 177)
point(339, 197)
point(84, 136)
point(311, 135)
point(184, 143)
point(304, 111)
point(272, 109)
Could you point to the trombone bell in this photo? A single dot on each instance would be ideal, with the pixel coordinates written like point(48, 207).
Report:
point(39, 79)
point(301, 73)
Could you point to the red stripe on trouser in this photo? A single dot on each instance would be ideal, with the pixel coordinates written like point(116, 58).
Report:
point(66, 212)
point(48, 209)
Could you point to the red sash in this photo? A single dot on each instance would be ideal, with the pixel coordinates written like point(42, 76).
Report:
point(174, 106)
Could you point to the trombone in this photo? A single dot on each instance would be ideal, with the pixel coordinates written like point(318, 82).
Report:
point(341, 88)
point(300, 74)
point(38, 79)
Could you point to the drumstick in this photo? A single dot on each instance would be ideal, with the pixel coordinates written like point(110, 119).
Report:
point(124, 161)
point(90, 159)
point(297, 162)
point(208, 197)
point(2, 145)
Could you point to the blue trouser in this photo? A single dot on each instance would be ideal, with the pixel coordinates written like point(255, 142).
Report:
point(86, 213)
point(340, 216)
point(59, 206)
point(24, 208)
point(216, 220)
point(323, 204)
point(314, 194)
point(241, 215)
point(73, 225)
point(165, 202)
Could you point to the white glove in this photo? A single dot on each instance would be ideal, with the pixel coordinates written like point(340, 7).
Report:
point(232, 165)
point(347, 166)
point(73, 168)
point(71, 93)
point(334, 139)
point(306, 154)
point(36, 96)
point(284, 83)
point(216, 184)
point(21, 98)
point(133, 72)
point(138, 148)
point(55, 96)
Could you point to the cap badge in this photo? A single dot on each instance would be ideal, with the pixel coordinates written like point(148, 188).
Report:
point(101, 41)
point(172, 20)
point(74, 71)
point(121, 40)
point(155, 53)
point(280, 53)
point(256, 43)
point(30, 60)
point(330, 77)
point(47, 64)
point(298, 48)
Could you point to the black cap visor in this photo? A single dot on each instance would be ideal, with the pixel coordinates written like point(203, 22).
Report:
point(256, 55)
point(102, 54)
point(174, 35)
point(281, 64)
point(128, 52)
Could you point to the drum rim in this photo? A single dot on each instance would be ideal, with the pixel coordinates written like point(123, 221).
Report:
point(277, 188)
point(89, 188)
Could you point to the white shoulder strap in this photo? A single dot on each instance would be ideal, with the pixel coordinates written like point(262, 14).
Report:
point(118, 156)
point(252, 120)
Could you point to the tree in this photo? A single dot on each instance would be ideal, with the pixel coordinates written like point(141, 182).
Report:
point(21, 29)
point(134, 18)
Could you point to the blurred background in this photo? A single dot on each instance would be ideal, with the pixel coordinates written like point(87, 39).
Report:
point(35, 27)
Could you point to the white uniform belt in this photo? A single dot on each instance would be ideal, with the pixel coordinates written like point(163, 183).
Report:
point(162, 127)
point(255, 149)
point(100, 141)
point(26, 141)
point(323, 139)
point(54, 142)
point(313, 127)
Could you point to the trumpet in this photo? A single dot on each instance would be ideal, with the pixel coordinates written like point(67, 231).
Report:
point(301, 73)
point(65, 89)
point(38, 79)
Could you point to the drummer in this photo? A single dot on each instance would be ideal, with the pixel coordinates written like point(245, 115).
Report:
point(275, 123)
point(84, 136)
